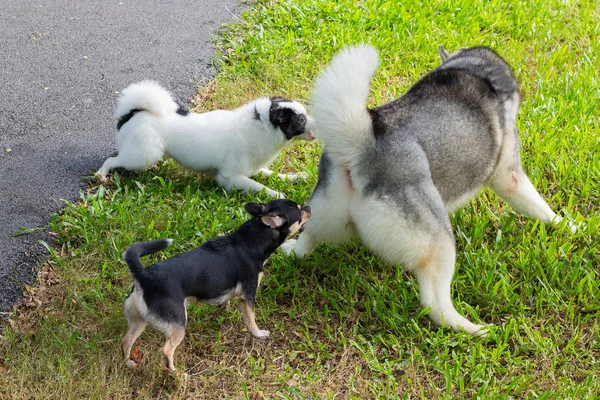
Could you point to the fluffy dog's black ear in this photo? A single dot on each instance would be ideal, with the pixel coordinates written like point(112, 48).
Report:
point(273, 221)
point(255, 209)
point(443, 53)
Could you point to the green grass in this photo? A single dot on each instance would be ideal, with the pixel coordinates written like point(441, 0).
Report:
point(345, 325)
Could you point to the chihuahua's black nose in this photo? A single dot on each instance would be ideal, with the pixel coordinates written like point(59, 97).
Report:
point(306, 208)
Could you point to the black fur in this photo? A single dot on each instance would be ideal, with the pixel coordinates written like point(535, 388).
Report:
point(256, 114)
point(214, 268)
point(325, 165)
point(123, 120)
point(182, 111)
point(291, 123)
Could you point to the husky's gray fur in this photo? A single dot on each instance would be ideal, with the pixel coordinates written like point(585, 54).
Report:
point(391, 174)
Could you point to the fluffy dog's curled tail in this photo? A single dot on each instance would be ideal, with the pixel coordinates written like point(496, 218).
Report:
point(145, 96)
point(134, 252)
point(339, 102)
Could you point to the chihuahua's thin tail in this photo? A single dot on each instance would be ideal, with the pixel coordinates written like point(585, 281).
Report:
point(134, 252)
point(145, 96)
point(339, 102)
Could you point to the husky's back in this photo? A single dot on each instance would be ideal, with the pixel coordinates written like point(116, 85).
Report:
point(451, 124)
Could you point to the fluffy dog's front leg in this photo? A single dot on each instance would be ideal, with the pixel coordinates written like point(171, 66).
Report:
point(284, 177)
point(246, 184)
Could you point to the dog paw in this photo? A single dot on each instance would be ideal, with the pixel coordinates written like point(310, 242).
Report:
point(573, 226)
point(482, 332)
point(288, 246)
point(301, 175)
point(478, 330)
point(277, 195)
point(289, 177)
point(130, 363)
point(293, 177)
point(102, 177)
point(261, 334)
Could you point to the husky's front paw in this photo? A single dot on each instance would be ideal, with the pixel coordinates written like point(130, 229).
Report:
point(261, 334)
point(572, 225)
point(288, 246)
point(130, 363)
point(481, 331)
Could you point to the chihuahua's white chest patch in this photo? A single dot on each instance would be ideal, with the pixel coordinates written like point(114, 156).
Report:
point(226, 295)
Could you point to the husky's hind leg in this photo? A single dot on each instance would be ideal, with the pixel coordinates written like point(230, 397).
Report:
point(518, 191)
point(511, 183)
point(418, 235)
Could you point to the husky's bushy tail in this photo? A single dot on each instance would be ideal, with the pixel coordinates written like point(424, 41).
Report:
point(146, 96)
point(339, 102)
point(134, 252)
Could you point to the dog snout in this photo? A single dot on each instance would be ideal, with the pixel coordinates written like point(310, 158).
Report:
point(306, 209)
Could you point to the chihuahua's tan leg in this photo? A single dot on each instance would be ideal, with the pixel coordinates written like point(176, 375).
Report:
point(174, 337)
point(135, 330)
point(247, 309)
point(136, 326)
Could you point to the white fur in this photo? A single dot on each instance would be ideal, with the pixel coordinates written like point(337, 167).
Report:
point(339, 102)
point(226, 295)
point(339, 208)
point(135, 304)
point(147, 95)
point(232, 143)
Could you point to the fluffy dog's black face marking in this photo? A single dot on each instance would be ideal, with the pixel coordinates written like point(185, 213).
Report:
point(286, 118)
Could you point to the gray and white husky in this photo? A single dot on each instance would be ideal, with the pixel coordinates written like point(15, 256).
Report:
point(392, 173)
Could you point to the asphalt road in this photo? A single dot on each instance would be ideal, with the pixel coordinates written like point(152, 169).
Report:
point(61, 64)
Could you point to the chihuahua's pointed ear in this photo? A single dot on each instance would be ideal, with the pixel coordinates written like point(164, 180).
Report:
point(272, 221)
point(443, 53)
point(255, 209)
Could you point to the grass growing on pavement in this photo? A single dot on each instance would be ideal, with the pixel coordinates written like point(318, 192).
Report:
point(345, 325)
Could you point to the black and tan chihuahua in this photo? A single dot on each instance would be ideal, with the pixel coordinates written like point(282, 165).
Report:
point(222, 268)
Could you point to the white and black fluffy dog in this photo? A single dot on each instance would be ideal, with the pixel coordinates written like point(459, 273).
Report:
point(391, 174)
point(231, 144)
